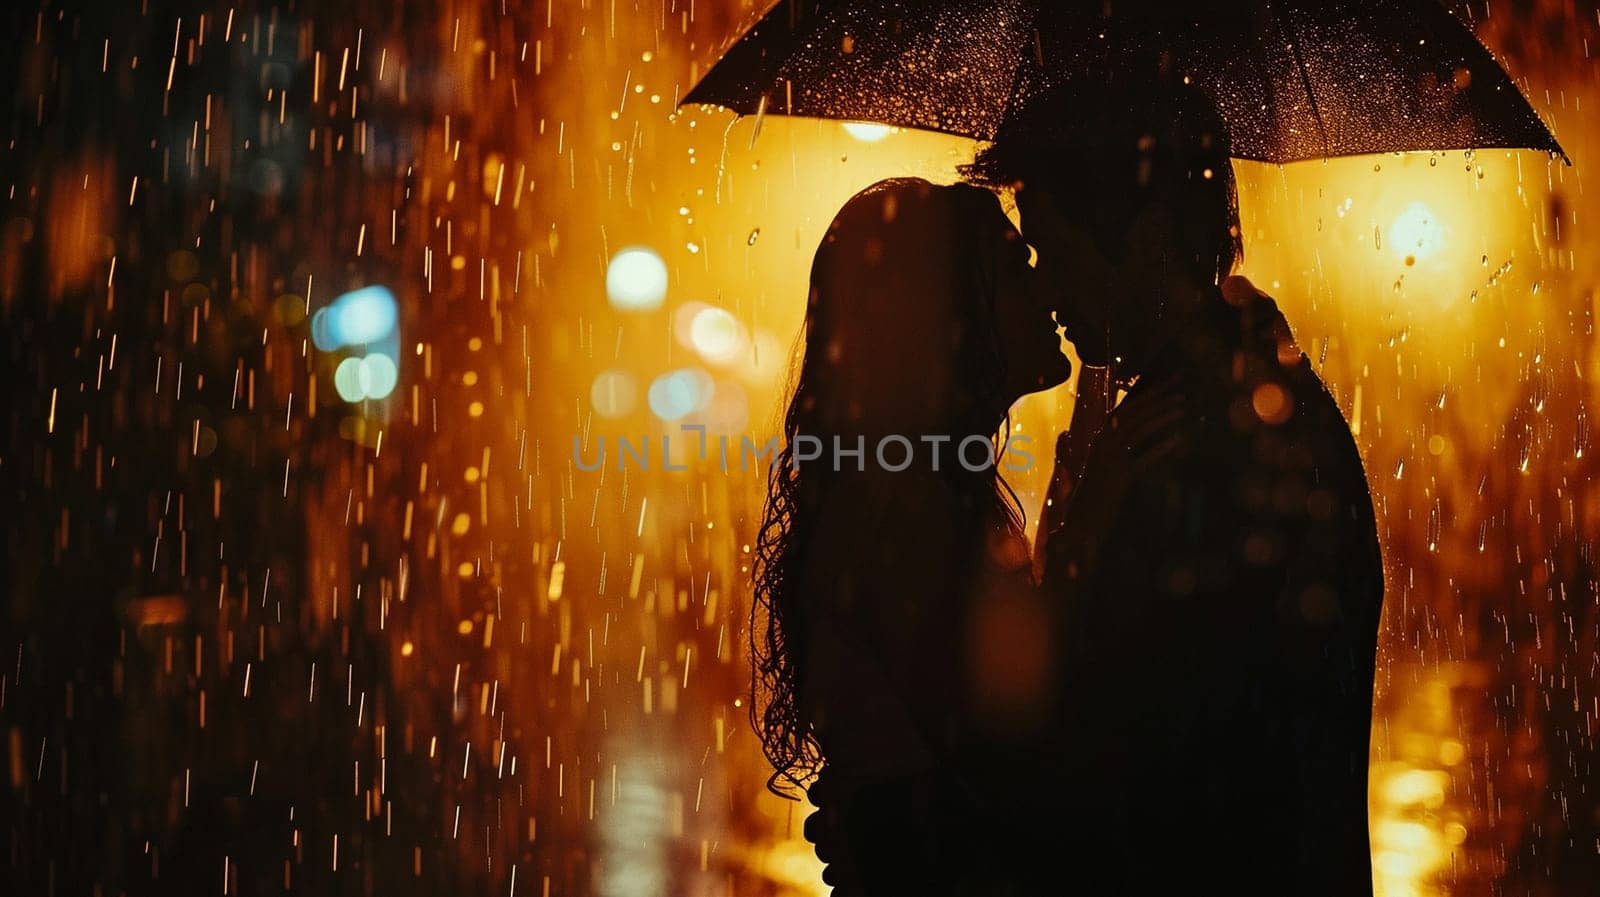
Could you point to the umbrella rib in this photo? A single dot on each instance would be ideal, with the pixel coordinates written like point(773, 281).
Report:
point(1017, 77)
point(1287, 24)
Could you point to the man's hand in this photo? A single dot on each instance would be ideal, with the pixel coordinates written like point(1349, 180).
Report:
point(1089, 412)
point(1144, 432)
point(1239, 291)
point(1263, 320)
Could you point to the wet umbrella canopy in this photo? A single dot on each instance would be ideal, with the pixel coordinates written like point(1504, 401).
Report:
point(1294, 79)
point(303, 590)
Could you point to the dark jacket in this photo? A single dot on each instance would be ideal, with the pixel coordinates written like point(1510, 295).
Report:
point(1221, 617)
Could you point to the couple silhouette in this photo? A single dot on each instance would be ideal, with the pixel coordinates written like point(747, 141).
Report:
point(1171, 692)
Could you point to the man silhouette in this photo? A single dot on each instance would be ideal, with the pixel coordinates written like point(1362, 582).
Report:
point(1220, 581)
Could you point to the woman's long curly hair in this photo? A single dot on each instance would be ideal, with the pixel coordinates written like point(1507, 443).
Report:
point(899, 264)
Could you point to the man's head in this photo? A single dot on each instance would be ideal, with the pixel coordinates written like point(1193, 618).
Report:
point(1129, 200)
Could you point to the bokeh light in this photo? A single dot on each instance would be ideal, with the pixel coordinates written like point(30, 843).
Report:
point(350, 629)
point(717, 335)
point(636, 280)
point(613, 394)
point(728, 411)
point(347, 379)
point(379, 375)
point(359, 317)
point(867, 132)
point(683, 321)
point(1416, 232)
point(677, 394)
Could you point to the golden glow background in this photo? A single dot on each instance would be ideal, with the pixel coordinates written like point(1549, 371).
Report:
point(537, 674)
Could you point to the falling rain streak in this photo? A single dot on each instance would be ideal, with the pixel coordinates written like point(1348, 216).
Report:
point(305, 303)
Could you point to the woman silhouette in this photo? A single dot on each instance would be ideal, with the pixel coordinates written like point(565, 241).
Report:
point(899, 645)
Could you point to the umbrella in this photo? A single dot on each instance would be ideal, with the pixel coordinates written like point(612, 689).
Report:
point(1293, 79)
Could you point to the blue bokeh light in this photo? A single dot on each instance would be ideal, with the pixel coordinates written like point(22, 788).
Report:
point(357, 318)
point(677, 394)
